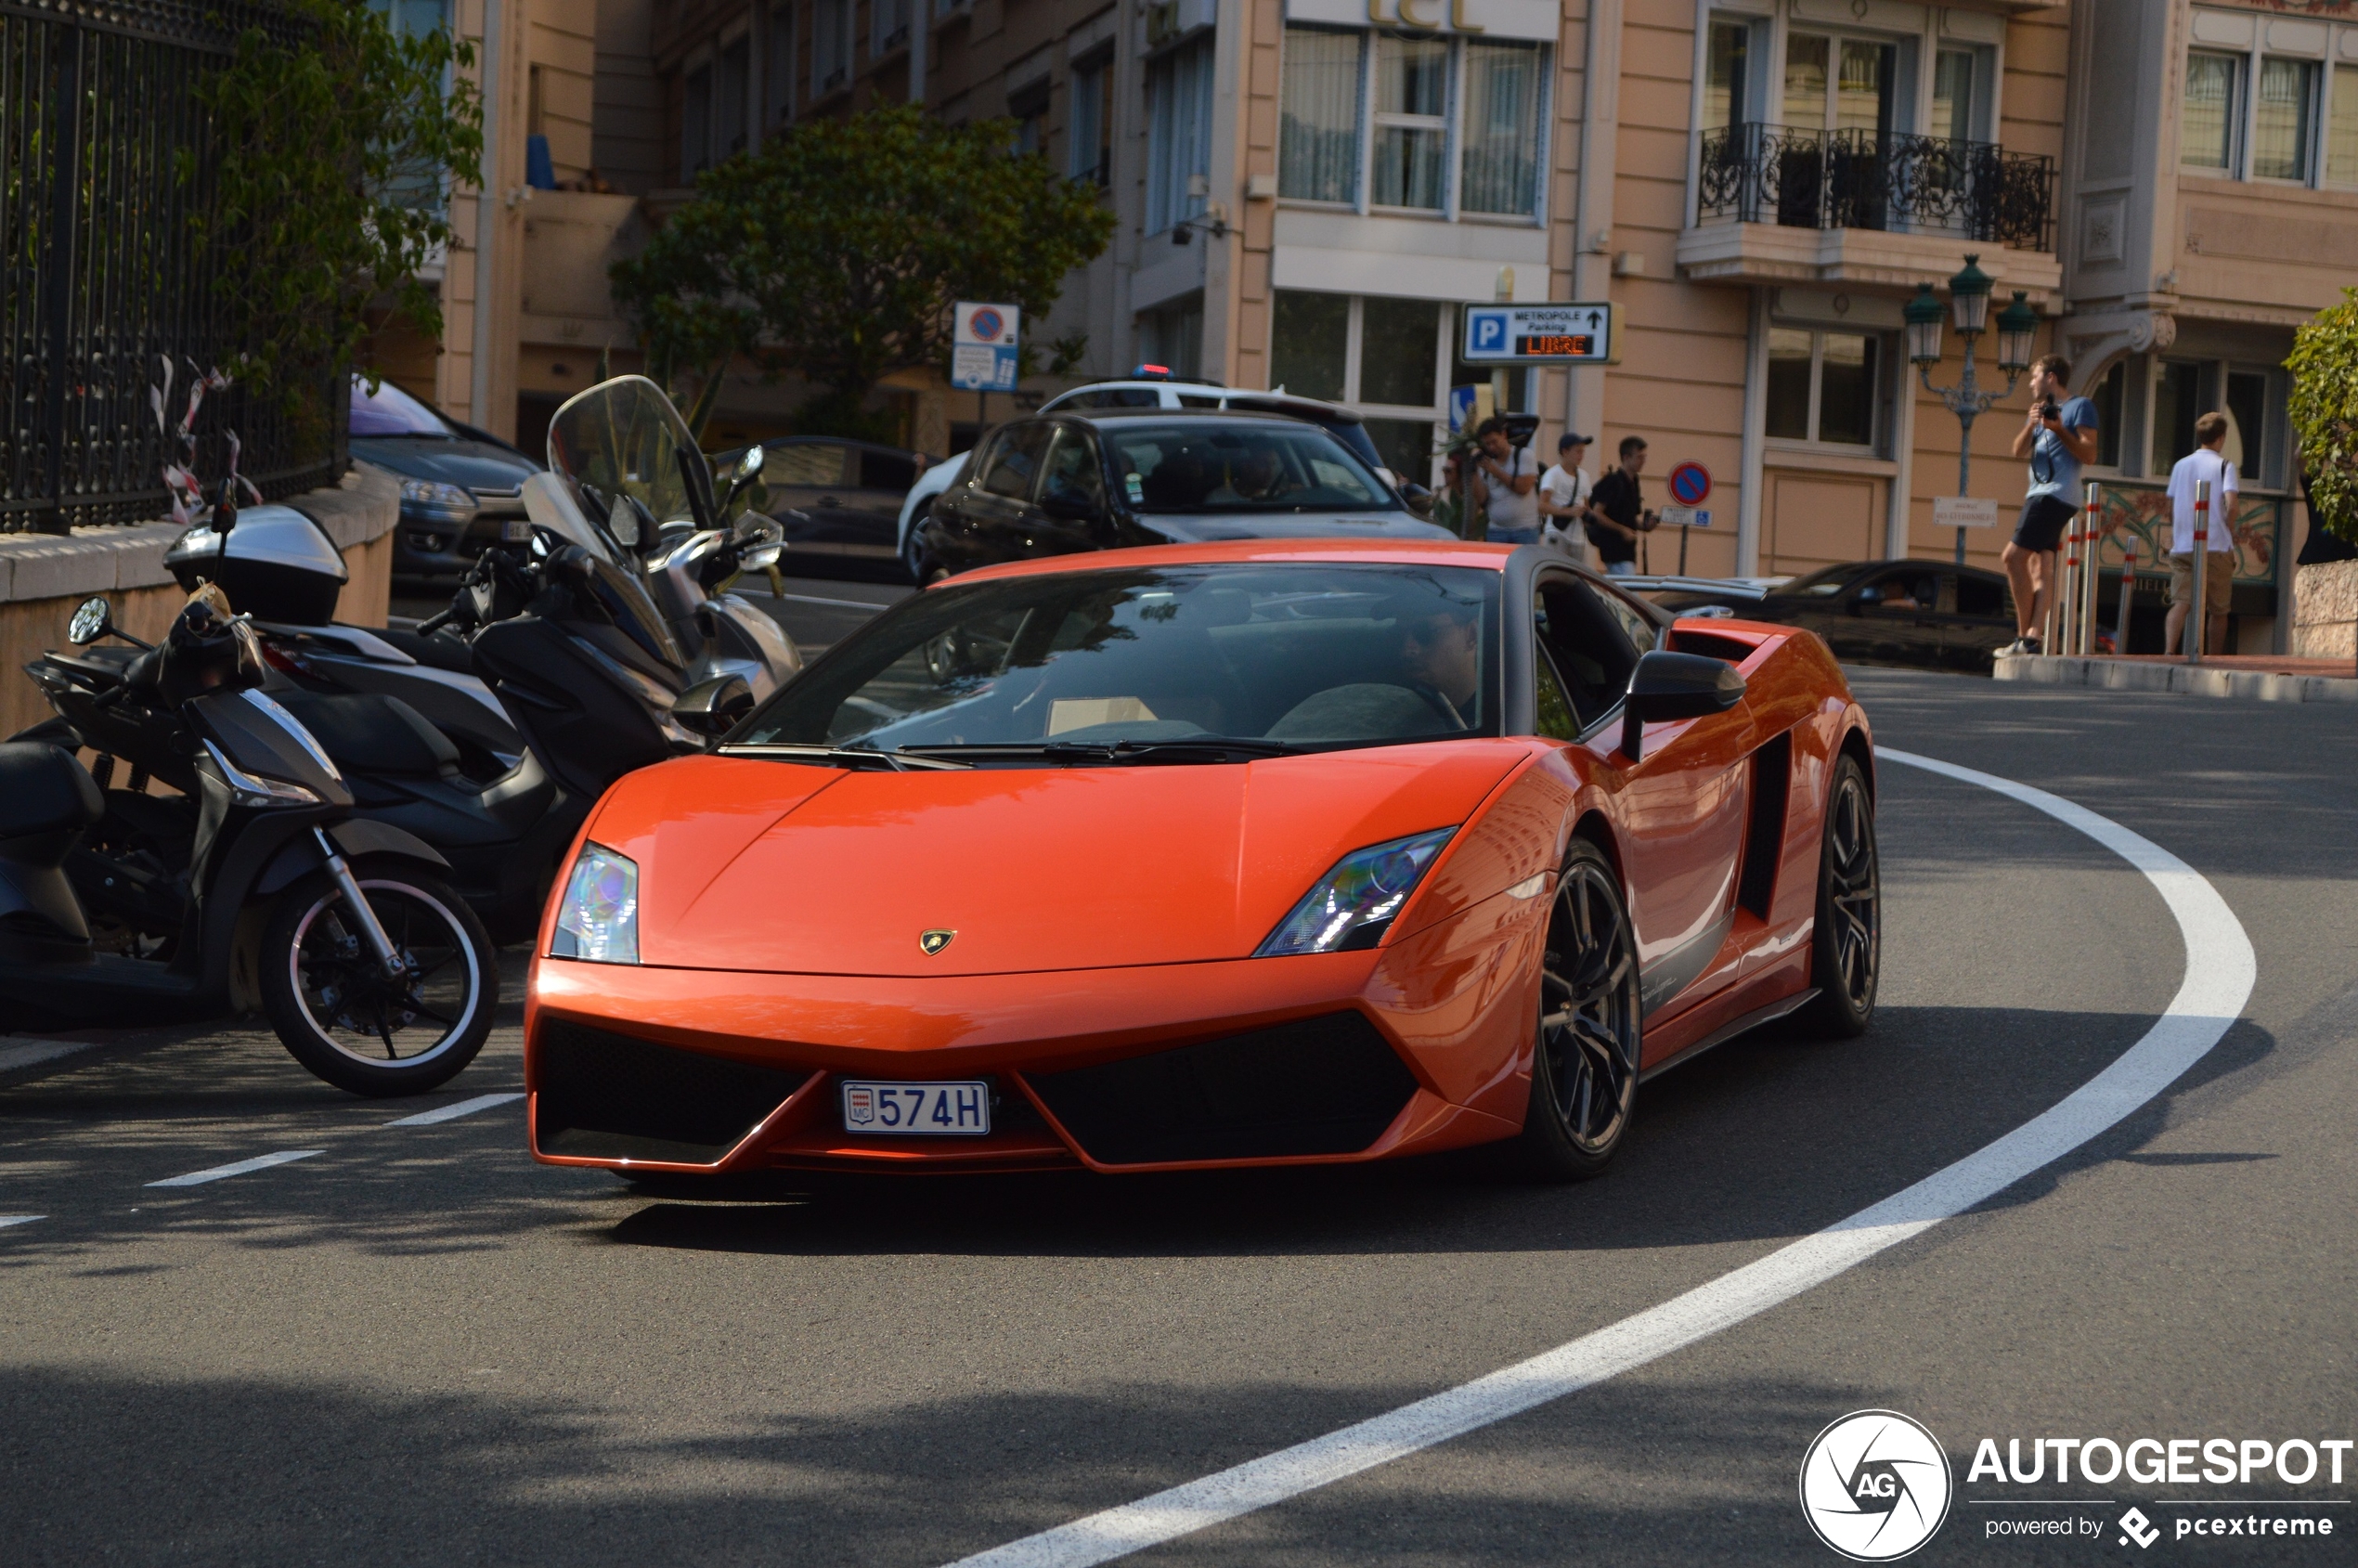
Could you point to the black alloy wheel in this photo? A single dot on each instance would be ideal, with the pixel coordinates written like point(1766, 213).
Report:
point(1583, 1069)
point(1846, 948)
point(339, 1013)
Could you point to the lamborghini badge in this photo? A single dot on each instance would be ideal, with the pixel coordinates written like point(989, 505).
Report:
point(934, 941)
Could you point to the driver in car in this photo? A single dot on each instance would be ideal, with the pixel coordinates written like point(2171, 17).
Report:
point(1441, 655)
point(1259, 474)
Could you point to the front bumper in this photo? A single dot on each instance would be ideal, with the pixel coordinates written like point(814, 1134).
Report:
point(429, 547)
point(1407, 1049)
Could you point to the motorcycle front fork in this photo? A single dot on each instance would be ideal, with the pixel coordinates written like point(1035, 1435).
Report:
point(372, 931)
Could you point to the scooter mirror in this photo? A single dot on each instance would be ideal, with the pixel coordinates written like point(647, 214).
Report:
point(749, 466)
point(713, 707)
point(91, 620)
point(760, 558)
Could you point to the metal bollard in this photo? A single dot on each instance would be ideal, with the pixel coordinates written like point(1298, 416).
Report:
point(2128, 593)
point(2065, 591)
point(2196, 611)
point(2089, 573)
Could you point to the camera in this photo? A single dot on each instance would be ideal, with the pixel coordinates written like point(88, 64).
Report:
point(2050, 409)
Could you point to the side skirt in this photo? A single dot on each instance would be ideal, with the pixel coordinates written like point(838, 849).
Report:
point(1727, 1032)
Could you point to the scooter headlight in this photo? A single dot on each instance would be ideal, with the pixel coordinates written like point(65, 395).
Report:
point(1353, 905)
point(598, 918)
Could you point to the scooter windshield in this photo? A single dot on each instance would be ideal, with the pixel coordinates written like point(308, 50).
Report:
point(624, 437)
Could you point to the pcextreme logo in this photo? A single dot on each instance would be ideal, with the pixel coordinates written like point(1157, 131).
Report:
point(1875, 1486)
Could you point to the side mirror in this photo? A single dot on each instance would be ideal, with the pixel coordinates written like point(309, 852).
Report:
point(1666, 686)
point(91, 619)
point(1070, 505)
point(714, 707)
point(1416, 498)
point(742, 480)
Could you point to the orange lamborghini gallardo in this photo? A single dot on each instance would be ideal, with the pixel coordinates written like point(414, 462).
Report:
point(1257, 852)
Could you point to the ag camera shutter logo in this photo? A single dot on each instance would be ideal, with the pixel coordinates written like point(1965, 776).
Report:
point(1875, 1486)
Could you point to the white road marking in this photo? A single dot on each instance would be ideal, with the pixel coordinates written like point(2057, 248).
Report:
point(236, 1168)
point(7, 1220)
point(2219, 975)
point(25, 1053)
point(452, 1112)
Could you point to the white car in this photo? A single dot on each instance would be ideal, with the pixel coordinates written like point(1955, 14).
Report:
point(1148, 391)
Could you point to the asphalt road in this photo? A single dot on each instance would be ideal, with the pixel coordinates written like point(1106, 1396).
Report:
point(416, 1346)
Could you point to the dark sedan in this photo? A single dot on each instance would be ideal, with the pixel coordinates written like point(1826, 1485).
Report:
point(1924, 613)
point(836, 502)
point(459, 486)
point(1110, 480)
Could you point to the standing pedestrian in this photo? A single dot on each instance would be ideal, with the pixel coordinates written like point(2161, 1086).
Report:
point(1505, 479)
point(2059, 436)
point(1563, 499)
point(1617, 512)
point(2206, 464)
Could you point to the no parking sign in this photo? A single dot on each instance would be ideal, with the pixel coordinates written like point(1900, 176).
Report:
point(1690, 487)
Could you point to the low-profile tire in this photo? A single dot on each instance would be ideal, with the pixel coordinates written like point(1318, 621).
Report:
point(1845, 953)
point(1584, 1063)
point(337, 1013)
point(912, 556)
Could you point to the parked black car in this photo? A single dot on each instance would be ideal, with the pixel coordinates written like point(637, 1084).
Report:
point(1113, 479)
point(838, 503)
point(1924, 613)
point(459, 486)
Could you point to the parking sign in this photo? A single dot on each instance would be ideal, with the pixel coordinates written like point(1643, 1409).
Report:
point(982, 346)
point(1573, 333)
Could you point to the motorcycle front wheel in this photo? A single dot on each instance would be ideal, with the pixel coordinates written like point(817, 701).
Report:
point(341, 1016)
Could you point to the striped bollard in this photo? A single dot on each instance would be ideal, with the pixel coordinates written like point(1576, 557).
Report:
point(2128, 593)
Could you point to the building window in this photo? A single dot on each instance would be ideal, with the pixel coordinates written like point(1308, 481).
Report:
point(1178, 134)
point(2108, 395)
point(1029, 108)
point(889, 20)
point(2280, 120)
point(777, 74)
point(732, 87)
point(2178, 401)
point(1318, 130)
point(1171, 336)
point(830, 46)
point(1727, 56)
point(2341, 128)
point(1379, 356)
point(696, 122)
point(1822, 386)
point(1501, 161)
point(1310, 344)
point(1412, 121)
point(1092, 135)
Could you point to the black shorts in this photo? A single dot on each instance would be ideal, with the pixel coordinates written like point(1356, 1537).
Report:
point(2042, 522)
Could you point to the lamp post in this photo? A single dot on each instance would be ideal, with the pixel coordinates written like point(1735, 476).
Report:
point(1969, 301)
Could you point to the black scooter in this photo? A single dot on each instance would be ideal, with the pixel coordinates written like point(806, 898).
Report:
point(374, 974)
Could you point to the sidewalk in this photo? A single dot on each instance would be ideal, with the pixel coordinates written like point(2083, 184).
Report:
point(2254, 677)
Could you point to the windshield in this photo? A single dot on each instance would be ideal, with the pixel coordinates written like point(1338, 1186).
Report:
point(390, 411)
point(1206, 466)
point(624, 437)
point(1826, 581)
point(1308, 657)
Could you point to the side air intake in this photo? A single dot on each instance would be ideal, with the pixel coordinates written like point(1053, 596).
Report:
point(1765, 831)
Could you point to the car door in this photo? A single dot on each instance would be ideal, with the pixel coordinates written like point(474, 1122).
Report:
point(1895, 616)
point(1071, 501)
point(1682, 812)
point(876, 480)
point(1981, 620)
point(998, 500)
point(805, 483)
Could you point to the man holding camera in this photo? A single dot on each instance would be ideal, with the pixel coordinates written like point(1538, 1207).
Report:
point(2059, 437)
point(1504, 479)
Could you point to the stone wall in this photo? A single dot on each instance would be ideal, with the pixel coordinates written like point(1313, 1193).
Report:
point(43, 577)
point(2324, 616)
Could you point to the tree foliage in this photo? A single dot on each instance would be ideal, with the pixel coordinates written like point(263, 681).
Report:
point(2324, 412)
point(837, 250)
point(327, 186)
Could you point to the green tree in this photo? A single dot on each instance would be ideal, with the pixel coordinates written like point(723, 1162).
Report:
point(326, 187)
point(2324, 412)
point(837, 250)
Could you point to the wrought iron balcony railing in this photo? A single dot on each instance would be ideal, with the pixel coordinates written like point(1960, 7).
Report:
point(1881, 180)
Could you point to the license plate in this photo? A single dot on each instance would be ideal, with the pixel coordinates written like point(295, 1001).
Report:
point(900, 1110)
point(516, 530)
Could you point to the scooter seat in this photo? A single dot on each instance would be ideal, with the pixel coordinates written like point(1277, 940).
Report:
point(370, 734)
point(44, 790)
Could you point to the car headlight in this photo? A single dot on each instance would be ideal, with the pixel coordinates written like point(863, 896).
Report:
point(598, 918)
point(433, 501)
point(1353, 905)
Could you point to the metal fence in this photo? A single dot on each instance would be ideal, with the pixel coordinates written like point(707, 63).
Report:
point(99, 279)
point(1878, 179)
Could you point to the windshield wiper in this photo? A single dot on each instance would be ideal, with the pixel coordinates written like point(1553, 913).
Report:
point(1181, 749)
point(843, 757)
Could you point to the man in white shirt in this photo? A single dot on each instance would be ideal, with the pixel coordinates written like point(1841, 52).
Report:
point(2204, 465)
point(1563, 499)
point(1506, 477)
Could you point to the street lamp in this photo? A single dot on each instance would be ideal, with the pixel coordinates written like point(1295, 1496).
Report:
point(1969, 303)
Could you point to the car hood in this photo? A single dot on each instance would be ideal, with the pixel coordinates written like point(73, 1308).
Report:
point(476, 465)
point(1199, 527)
point(746, 864)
